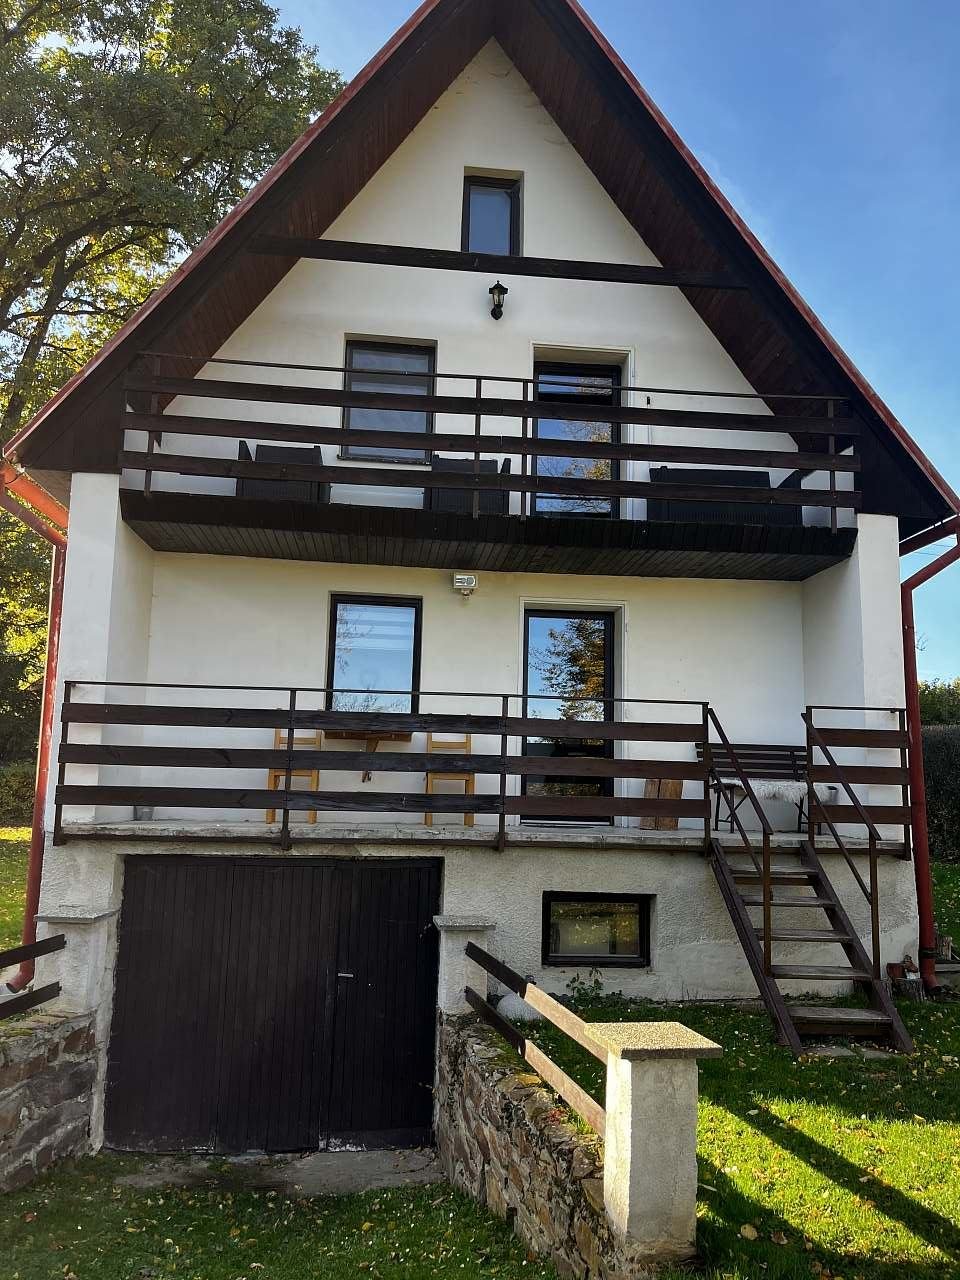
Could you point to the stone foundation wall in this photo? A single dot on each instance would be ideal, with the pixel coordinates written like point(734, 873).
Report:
point(505, 1141)
point(47, 1073)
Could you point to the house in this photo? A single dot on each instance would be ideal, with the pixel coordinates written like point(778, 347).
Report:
point(477, 526)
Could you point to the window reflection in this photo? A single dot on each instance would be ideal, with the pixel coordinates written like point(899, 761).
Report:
point(374, 648)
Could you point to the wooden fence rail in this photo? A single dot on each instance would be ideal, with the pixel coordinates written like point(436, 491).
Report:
point(557, 1014)
point(9, 1005)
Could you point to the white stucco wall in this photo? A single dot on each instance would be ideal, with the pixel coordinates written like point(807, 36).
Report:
point(488, 120)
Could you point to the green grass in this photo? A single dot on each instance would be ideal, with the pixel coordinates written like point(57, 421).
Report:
point(14, 842)
point(946, 899)
point(846, 1165)
point(76, 1222)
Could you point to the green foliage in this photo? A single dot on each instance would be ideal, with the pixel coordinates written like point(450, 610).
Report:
point(946, 898)
point(129, 129)
point(941, 766)
point(16, 791)
point(840, 1167)
point(77, 1221)
point(14, 843)
point(940, 701)
point(24, 572)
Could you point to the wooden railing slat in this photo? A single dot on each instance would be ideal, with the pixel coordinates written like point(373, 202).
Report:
point(28, 1000)
point(538, 999)
point(32, 950)
point(545, 1067)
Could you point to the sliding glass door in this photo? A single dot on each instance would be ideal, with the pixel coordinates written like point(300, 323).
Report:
point(568, 675)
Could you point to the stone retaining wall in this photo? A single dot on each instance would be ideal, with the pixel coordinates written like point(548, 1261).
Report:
point(505, 1141)
point(47, 1072)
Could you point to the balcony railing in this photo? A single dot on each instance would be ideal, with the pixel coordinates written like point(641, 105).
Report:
point(174, 748)
point(500, 465)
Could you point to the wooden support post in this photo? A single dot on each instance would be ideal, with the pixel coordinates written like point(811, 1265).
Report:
point(477, 428)
point(58, 836)
point(285, 841)
point(832, 447)
point(502, 831)
point(708, 767)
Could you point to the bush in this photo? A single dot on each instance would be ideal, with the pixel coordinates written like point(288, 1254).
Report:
point(16, 793)
point(941, 764)
point(940, 701)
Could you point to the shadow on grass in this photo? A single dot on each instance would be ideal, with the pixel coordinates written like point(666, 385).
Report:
point(721, 1244)
point(924, 1222)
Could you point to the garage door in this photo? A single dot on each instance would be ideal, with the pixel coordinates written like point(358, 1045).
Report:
point(273, 1004)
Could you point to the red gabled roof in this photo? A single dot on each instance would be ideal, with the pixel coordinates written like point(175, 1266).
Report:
point(545, 38)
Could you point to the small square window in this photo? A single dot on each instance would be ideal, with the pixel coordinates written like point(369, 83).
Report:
point(491, 216)
point(596, 929)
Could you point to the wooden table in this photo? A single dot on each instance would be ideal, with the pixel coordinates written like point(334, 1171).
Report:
point(370, 740)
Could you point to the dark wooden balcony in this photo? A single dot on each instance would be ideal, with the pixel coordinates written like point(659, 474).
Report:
point(500, 495)
point(216, 755)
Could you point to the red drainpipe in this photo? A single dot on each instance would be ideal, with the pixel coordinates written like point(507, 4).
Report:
point(918, 791)
point(10, 482)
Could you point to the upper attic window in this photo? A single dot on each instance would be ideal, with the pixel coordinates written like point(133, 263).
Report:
point(491, 215)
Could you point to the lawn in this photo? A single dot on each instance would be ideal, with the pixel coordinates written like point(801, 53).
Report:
point(77, 1223)
point(822, 1167)
point(13, 877)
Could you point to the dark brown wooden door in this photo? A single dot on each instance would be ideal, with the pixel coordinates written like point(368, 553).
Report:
point(273, 1004)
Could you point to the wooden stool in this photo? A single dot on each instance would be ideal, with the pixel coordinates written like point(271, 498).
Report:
point(459, 745)
point(277, 777)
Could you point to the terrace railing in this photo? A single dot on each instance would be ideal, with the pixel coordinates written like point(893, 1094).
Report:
point(193, 747)
point(512, 459)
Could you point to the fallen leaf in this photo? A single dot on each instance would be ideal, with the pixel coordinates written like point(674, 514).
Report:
point(779, 1238)
point(749, 1231)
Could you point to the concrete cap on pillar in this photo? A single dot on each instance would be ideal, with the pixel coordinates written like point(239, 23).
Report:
point(634, 1041)
point(470, 924)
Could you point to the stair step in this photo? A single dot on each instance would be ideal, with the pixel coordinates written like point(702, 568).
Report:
point(805, 935)
point(838, 972)
point(829, 1014)
point(751, 876)
point(756, 900)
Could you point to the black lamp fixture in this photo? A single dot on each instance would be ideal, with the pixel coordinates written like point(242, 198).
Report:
point(498, 292)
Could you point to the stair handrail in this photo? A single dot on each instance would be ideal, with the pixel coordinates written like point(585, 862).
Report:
point(763, 868)
point(872, 895)
point(834, 765)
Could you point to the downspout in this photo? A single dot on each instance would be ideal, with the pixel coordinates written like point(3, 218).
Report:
point(24, 488)
point(918, 792)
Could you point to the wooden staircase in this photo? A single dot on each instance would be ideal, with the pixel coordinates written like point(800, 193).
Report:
point(801, 884)
point(773, 880)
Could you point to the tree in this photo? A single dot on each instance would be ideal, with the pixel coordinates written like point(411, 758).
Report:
point(130, 128)
point(940, 701)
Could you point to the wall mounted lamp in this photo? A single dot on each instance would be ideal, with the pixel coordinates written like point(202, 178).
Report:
point(498, 292)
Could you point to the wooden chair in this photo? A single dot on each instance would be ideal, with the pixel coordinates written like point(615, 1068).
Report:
point(447, 746)
point(277, 777)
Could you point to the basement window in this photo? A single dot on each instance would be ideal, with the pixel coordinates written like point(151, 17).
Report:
point(596, 929)
point(491, 215)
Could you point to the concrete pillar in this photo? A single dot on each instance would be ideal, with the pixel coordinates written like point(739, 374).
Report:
point(456, 971)
point(650, 1143)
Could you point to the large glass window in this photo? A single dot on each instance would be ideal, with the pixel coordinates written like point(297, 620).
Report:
point(398, 370)
point(568, 675)
point(582, 386)
point(596, 929)
point(374, 659)
point(491, 215)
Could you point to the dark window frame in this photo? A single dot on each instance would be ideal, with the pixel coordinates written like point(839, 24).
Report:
point(609, 618)
point(514, 188)
point(644, 905)
point(578, 368)
point(348, 597)
point(380, 453)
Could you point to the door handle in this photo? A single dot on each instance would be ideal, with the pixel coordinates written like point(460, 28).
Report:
point(346, 975)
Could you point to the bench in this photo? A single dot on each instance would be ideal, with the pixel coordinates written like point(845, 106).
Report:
point(776, 772)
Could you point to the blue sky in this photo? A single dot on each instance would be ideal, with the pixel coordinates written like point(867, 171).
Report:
point(832, 126)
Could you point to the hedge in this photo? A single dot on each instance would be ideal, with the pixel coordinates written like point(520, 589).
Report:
point(16, 793)
point(941, 764)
